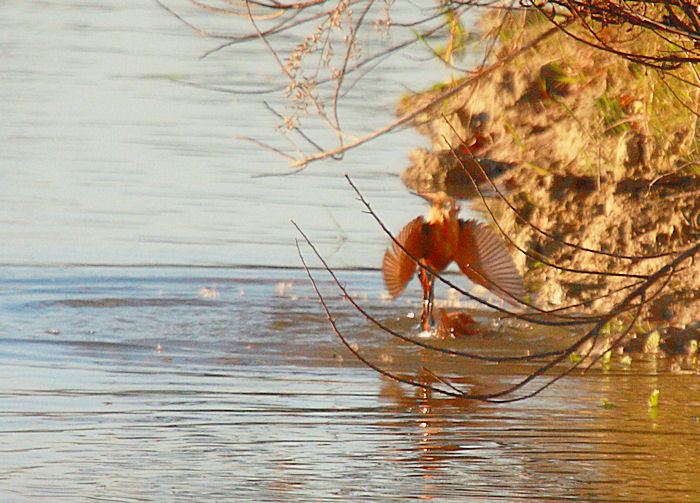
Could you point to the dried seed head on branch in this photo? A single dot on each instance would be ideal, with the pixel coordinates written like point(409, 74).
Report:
point(339, 43)
point(335, 44)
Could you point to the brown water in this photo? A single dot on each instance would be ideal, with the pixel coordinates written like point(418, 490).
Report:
point(161, 372)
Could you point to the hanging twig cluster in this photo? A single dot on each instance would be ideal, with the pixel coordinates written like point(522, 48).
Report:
point(674, 26)
point(642, 289)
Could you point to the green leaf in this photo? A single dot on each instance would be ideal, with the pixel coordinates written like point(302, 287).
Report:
point(654, 399)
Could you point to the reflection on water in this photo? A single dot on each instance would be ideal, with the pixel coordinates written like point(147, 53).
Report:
point(154, 384)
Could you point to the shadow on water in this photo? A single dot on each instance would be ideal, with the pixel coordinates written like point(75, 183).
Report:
point(153, 384)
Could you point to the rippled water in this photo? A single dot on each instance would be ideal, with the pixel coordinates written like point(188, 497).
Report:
point(173, 384)
point(191, 360)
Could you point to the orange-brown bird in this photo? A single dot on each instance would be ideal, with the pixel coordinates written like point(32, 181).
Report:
point(477, 250)
point(456, 324)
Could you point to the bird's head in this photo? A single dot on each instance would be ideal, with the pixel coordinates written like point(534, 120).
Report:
point(443, 206)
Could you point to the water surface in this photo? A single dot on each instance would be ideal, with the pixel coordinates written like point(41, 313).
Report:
point(172, 384)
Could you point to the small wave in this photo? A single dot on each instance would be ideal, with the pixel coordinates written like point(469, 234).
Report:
point(111, 302)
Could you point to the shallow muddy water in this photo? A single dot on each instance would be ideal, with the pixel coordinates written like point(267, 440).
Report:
point(160, 342)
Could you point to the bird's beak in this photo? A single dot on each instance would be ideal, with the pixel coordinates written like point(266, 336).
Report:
point(428, 196)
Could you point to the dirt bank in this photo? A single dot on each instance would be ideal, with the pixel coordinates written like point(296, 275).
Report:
point(592, 149)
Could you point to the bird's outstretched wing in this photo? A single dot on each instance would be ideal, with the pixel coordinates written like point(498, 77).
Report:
point(398, 267)
point(484, 259)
